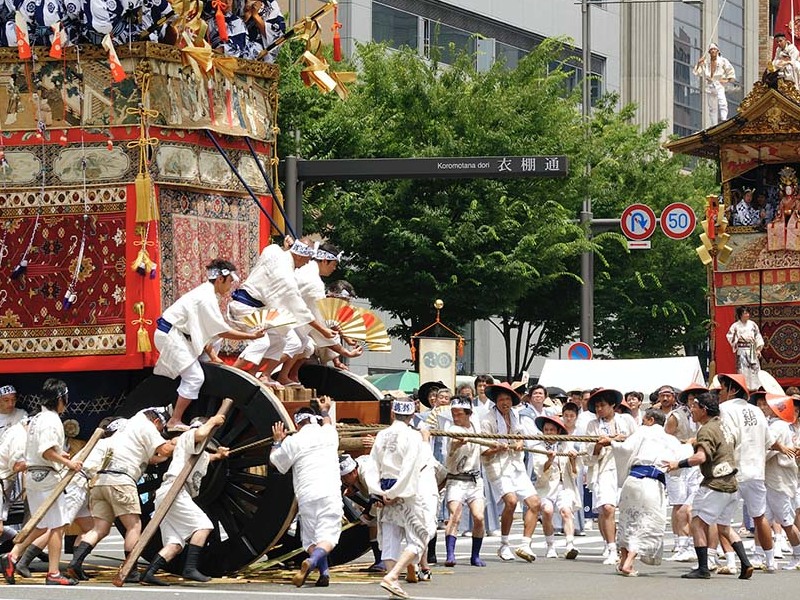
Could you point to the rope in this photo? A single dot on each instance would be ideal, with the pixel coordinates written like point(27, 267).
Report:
point(517, 436)
point(270, 187)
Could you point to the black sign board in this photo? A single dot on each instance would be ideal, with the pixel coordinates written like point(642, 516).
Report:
point(471, 167)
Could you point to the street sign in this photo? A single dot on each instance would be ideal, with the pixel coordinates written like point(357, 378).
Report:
point(636, 245)
point(579, 351)
point(466, 167)
point(678, 221)
point(638, 222)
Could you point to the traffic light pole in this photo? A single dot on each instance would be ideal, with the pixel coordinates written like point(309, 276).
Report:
point(587, 259)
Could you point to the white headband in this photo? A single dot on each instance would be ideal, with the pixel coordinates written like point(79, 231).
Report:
point(403, 407)
point(214, 273)
point(346, 465)
point(7, 389)
point(116, 425)
point(300, 417)
point(301, 249)
point(325, 255)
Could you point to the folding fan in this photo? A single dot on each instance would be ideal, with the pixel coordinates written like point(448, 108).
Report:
point(269, 318)
point(377, 336)
point(341, 315)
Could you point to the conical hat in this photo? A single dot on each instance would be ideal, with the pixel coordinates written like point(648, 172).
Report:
point(739, 379)
point(782, 406)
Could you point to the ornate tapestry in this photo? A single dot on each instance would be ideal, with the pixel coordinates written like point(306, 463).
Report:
point(196, 228)
point(33, 320)
point(750, 254)
point(780, 326)
point(775, 286)
point(64, 93)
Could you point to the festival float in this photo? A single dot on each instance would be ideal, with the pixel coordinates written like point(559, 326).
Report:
point(755, 264)
point(137, 144)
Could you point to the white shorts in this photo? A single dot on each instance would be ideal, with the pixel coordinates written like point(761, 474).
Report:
point(267, 347)
point(780, 508)
point(713, 507)
point(183, 518)
point(296, 341)
point(754, 495)
point(192, 379)
point(391, 538)
point(517, 483)
point(56, 515)
point(76, 500)
point(682, 486)
point(321, 521)
point(605, 491)
point(464, 492)
point(562, 500)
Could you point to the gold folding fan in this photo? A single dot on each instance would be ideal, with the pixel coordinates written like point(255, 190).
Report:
point(269, 318)
point(341, 315)
point(377, 337)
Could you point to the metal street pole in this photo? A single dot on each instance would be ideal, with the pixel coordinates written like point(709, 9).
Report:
point(587, 259)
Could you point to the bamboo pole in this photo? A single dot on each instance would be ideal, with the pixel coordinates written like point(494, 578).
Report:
point(59, 489)
point(165, 505)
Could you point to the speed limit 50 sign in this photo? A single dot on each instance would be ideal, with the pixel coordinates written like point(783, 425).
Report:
point(678, 221)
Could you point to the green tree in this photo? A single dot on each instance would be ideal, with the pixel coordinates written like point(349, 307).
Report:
point(489, 248)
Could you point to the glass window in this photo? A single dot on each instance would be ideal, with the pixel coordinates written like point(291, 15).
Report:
point(574, 79)
point(686, 112)
point(731, 45)
point(509, 55)
point(451, 42)
point(394, 27)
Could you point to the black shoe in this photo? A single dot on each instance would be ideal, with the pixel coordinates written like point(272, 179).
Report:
point(697, 574)
point(134, 576)
point(9, 567)
point(746, 572)
point(76, 572)
point(150, 579)
point(323, 581)
point(195, 575)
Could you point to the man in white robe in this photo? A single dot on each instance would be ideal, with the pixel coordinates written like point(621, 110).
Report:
point(715, 73)
point(187, 328)
point(312, 455)
point(185, 521)
point(787, 59)
point(404, 522)
point(642, 514)
point(272, 284)
point(746, 342)
point(46, 463)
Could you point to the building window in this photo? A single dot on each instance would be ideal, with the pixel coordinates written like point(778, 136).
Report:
point(448, 41)
point(731, 45)
point(394, 27)
point(574, 78)
point(508, 55)
point(687, 113)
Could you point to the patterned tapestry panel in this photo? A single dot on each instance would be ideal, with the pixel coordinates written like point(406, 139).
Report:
point(780, 326)
point(750, 253)
point(774, 286)
point(198, 227)
point(33, 321)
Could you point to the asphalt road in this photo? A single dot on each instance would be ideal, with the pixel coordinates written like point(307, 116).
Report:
point(544, 579)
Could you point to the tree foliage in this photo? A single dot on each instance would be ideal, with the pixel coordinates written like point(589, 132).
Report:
point(489, 248)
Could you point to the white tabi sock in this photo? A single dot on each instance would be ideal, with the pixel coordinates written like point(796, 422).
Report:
point(550, 539)
point(504, 540)
point(770, 554)
point(683, 542)
point(612, 548)
point(570, 541)
point(730, 560)
point(526, 541)
point(796, 551)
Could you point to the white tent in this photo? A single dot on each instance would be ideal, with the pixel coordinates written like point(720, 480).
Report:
point(643, 374)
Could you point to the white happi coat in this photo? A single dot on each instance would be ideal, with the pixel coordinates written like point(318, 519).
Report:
point(184, 517)
point(12, 451)
point(7, 421)
point(780, 470)
point(131, 450)
point(509, 463)
point(45, 431)
point(197, 315)
point(311, 288)
point(273, 283)
point(751, 437)
point(603, 466)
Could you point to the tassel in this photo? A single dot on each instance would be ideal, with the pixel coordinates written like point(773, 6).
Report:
point(145, 207)
point(222, 25)
point(337, 40)
point(142, 336)
point(20, 269)
point(69, 299)
point(140, 264)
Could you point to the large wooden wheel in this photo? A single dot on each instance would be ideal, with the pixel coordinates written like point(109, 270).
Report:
point(250, 503)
